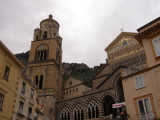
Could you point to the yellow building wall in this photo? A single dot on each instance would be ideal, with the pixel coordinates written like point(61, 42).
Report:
point(150, 52)
point(8, 87)
point(151, 89)
point(25, 98)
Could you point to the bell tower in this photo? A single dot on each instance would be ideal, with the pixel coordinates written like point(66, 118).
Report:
point(45, 65)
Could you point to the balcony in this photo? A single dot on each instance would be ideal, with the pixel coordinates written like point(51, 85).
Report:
point(20, 113)
point(29, 116)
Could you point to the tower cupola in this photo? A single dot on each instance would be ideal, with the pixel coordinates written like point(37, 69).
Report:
point(49, 28)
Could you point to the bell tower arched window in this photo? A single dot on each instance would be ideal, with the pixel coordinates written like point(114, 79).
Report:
point(37, 37)
point(42, 52)
point(45, 35)
point(58, 57)
point(39, 81)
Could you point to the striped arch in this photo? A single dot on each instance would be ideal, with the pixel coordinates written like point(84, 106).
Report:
point(92, 105)
point(107, 94)
point(64, 107)
point(119, 87)
point(90, 100)
point(117, 79)
point(76, 104)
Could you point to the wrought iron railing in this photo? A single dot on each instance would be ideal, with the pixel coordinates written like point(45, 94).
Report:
point(147, 116)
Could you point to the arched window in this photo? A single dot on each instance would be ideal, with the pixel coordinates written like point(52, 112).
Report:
point(68, 116)
point(97, 112)
point(42, 52)
point(58, 57)
point(36, 81)
point(62, 117)
point(65, 117)
point(82, 117)
point(93, 112)
point(41, 82)
point(89, 113)
point(75, 115)
point(37, 37)
point(78, 115)
point(45, 35)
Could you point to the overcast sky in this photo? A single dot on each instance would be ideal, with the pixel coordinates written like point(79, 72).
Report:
point(86, 26)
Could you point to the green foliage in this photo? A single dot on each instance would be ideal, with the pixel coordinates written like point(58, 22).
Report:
point(23, 57)
point(79, 71)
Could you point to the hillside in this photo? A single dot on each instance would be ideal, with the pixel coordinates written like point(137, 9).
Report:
point(76, 70)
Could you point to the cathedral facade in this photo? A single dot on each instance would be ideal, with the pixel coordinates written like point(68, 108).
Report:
point(107, 89)
point(45, 69)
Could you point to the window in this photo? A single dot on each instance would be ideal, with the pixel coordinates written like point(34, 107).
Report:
point(29, 112)
point(6, 72)
point(32, 93)
point(36, 81)
point(23, 87)
point(41, 82)
point(124, 42)
point(42, 55)
point(37, 37)
point(156, 44)
point(145, 109)
point(45, 35)
point(1, 101)
point(42, 51)
point(21, 104)
point(77, 89)
point(139, 82)
point(58, 57)
point(70, 83)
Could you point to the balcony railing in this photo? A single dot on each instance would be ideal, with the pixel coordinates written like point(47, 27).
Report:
point(20, 113)
point(29, 116)
point(147, 116)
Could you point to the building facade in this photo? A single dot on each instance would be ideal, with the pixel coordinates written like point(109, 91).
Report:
point(73, 88)
point(144, 102)
point(107, 83)
point(132, 66)
point(45, 65)
point(25, 107)
point(10, 73)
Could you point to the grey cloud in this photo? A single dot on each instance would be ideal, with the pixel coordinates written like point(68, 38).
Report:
point(86, 26)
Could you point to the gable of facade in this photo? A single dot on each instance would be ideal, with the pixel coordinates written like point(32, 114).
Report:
point(124, 50)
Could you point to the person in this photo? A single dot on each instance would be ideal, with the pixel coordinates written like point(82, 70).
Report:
point(122, 115)
point(110, 116)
